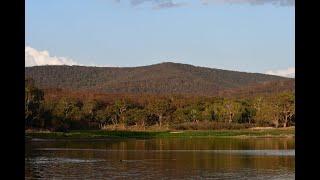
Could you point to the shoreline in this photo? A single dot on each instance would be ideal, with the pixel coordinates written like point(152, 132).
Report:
point(100, 134)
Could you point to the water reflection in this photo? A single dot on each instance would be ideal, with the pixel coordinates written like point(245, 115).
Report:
point(178, 158)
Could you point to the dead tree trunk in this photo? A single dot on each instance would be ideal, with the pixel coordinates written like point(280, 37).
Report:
point(114, 120)
point(285, 121)
point(160, 120)
point(230, 117)
point(229, 109)
point(276, 122)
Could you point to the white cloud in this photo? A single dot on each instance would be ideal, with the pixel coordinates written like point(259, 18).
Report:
point(254, 2)
point(289, 72)
point(102, 65)
point(166, 5)
point(34, 57)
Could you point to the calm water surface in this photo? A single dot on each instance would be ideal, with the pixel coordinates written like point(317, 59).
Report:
point(169, 158)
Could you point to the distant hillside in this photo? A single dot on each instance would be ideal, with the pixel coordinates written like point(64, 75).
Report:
point(265, 88)
point(159, 78)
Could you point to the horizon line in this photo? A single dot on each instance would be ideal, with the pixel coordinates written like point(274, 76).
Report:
point(164, 62)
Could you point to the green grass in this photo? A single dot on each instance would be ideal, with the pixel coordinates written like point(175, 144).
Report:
point(163, 134)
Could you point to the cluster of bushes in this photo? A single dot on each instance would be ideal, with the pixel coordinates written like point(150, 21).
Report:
point(176, 112)
point(207, 125)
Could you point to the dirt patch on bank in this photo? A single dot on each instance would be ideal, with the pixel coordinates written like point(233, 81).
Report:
point(263, 128)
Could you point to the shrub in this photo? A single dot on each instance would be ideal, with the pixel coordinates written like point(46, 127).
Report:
point(207, 125)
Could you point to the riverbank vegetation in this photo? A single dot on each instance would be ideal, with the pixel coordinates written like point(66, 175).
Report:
point(58, 110)
point(273, 132)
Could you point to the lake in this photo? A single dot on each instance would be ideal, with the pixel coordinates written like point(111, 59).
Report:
point(161, 158)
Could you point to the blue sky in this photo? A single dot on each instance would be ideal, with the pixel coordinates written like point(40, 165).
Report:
point(242, 35)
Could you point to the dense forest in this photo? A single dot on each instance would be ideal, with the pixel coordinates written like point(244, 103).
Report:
point(165, 78)
point(59, 109)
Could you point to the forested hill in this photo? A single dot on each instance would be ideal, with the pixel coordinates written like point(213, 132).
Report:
point(159, 78)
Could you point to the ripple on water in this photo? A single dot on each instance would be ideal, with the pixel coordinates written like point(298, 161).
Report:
point(59, 160)
point(263, 152)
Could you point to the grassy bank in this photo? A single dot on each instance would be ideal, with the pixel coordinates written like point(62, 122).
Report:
point(280, 132)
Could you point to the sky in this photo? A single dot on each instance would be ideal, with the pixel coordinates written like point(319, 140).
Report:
point(242, 35)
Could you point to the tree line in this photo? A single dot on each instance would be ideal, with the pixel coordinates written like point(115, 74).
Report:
point(63, 112)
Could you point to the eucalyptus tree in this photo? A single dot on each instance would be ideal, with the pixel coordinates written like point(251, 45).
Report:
point(34, 97)
point(159, 107)
point(286, 105)
point(247, 111)
point(231, 108)
point(136, 117)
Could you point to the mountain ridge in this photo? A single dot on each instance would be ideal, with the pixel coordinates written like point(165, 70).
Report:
point(166, 77)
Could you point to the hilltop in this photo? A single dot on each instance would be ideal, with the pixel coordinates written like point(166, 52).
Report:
point(163, 78)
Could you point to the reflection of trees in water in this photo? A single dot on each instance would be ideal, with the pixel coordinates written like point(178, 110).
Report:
point(172, 163)
point(171, 144)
